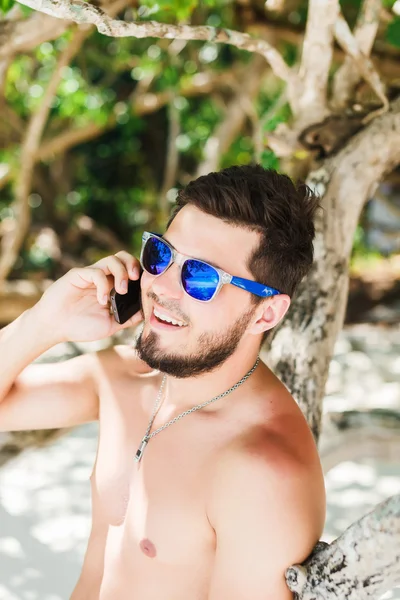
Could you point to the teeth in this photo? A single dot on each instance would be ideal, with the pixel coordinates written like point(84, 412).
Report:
point(168, 319)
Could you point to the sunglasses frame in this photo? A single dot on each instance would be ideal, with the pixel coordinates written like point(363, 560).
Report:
point(248, 285)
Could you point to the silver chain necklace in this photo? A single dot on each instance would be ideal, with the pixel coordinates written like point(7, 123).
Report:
point(147, 437)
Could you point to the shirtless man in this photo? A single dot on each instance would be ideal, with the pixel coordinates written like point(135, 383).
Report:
point(226, 498)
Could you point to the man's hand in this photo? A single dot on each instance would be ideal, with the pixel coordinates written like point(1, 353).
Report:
point(76, 306)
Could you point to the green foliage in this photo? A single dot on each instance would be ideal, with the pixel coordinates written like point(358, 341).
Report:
point(170, 11)
point(393, 32)
point(167, 10)
point(281, 115)
point(116, 176)
point(5, 6)
point(363, 256)
point(388, 3)
point(269, 160)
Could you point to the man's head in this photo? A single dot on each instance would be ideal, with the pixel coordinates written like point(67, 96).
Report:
point(252, 223)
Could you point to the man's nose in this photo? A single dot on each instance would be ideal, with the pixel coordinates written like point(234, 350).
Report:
point(168, 283)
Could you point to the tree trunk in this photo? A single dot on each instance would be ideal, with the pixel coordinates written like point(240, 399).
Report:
point(302, 346)
point(364, 562)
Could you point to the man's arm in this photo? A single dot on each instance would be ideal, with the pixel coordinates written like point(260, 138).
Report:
point(267, 512)
point(73, 308)
point(47, 395)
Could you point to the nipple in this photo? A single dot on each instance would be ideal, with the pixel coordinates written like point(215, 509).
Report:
point(148, 548)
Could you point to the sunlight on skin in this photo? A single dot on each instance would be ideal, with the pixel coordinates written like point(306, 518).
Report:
point(45, 493)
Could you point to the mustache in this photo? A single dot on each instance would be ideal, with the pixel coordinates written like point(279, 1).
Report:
point(170, 308)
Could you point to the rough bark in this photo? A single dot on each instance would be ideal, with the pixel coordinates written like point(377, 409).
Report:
point(82, 12)
point(316, 61)
point(365, 31)
point(302, 346)
point(19, 35)
point(364, 562)
point(364, 65)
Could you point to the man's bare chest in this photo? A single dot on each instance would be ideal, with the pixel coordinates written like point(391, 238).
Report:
point(157, 507)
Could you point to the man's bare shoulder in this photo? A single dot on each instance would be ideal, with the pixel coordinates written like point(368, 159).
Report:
point(267, 509)
point(272, 448)
point(280, 456)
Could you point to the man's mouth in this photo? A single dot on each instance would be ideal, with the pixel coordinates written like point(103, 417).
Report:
point(164, 319)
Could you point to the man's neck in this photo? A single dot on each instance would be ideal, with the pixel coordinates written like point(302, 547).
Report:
point(182, 394)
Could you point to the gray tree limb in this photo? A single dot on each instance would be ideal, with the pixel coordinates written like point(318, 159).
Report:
point(235, 115)
point(302, 346)
point(19, 34)
point(347, 77)
point(365, 66)
point(83, 12)
point(12, 240)
point(311, 105)
point(364, 562)
point(24, 34)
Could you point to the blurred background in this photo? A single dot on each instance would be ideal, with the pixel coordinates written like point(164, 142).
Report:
point(96, 136)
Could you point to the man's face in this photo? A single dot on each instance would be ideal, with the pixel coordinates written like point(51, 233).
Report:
point(213, 329)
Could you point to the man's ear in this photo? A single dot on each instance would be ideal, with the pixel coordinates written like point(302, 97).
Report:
point(269, 313)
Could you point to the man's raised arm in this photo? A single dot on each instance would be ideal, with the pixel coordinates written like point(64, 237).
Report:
point(74, 308)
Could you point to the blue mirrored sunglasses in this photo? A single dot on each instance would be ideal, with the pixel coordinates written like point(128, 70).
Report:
point(199, 279)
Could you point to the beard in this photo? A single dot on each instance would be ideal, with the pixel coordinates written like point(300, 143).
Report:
point(213, 349)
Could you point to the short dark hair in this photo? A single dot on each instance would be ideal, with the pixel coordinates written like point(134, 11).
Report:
point(268, 202)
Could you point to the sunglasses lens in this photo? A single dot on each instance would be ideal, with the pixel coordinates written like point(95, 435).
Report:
point(199, 279)
point(156, 256)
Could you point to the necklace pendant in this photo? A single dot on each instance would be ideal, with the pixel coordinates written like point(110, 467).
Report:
point(140, 450)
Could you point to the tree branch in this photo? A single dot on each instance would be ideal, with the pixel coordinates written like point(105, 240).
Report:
point(311, 104)
point(349, 44)
point(347, 77)
point(302, 346)
point(385, 60)
point(18, 34)
point(23, 35)
point(218, 143)
point(142, 104)
point(171, 160)
point(12, 241)
point(172, 153)
point(83, 12)
point(340, 570)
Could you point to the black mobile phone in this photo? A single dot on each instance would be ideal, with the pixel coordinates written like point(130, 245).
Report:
point(124, 306)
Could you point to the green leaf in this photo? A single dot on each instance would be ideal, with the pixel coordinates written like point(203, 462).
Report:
point(167, 10)
point(269, 160)
point(6, 5)
point(393, 32)
point(26, 10)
